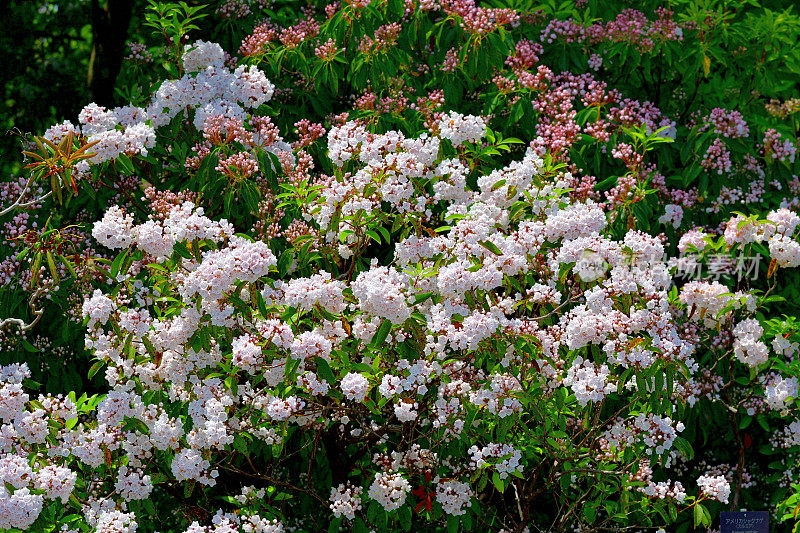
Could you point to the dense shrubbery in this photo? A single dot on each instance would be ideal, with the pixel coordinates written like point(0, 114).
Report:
point(411, 266)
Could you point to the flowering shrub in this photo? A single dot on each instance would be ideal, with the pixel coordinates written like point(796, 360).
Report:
point(409, 266)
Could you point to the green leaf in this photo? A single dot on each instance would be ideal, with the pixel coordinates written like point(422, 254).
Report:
point(359, 526)
point(69, 266)
point(28, 346)
point(181, 249)
point(96, 368)
point(125, 165)
point(324, 370)
point(51, 264)
point(373, 510)
point(498, 483)
point(117, 263)
point(684, 447)
point(492, 247)
point(606, 184)
point(452, 524)
point(285, 262)
point(381, 334)
point(701, 516)
point(404, 515)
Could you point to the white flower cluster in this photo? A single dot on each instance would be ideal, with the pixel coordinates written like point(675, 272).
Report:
point(246, 353)
point(704, 300)
point(673, 215)
point(589, 382)
point(98, 308)
point(655, 432)
point(310, 344)
point(12, 400)
point(716, 487)
point(503, 187)
point(454, 496)
point(460, 128)
point(183, 222)
point(190, 465)
point(575, 220)
point(785, 251)
point(117, 131)
point(785, 222)
point(503, 457)
point(115, 230)
point(499, 399)
point(746, 346)
point(381, 292)
point(15, 471)
point(406, 411)
point(132, 484)
point(744, 230)
point(692, 240)
point(201, 55)
point(783, 346)
point(779, 390)
point(318, 289)
point(242, 260)
point(208, 87)
point(663, 490)
point(283, 408)
point(355, 386)
point(89, 445)
point(346, 500)
point(57, 482)
point(389, 489)
point(20, 509)
point(115, 521)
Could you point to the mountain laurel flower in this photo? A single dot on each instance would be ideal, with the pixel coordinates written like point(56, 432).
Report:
point(460, 128)
point(246, 354)
point(454, 496)
point(575, 221)
point(503, 457)
point(188, 464)
point(57, 482)
point(692, 240)
point(500, 273)
point(779, 390)
point(673, 215)
point(588, 382)
point(741, 229)
point(355, 387)
point(12, 401)
point(115, 230)
point(98, 308)
point(346, 500)
point(114, 521)
point(20, 509)
point(132, 484)
point(785, 222)
point(318, 289)
point(715, 487)
point(406, 411)
point(201, 55)
point(785, 251)
point(380, 292)
point(389, 489)
point(746, 346)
